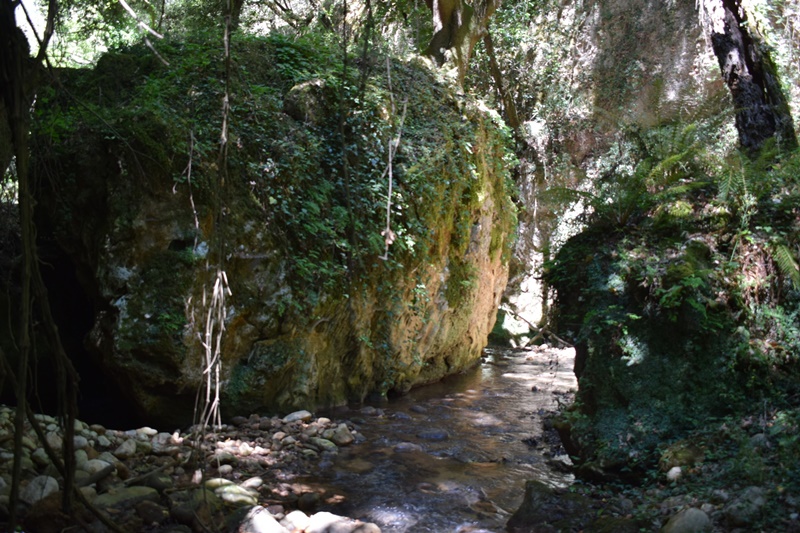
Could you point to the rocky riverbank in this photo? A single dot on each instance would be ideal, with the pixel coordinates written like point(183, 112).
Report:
point(238, 478)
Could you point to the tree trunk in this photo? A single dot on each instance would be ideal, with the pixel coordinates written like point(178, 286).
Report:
point(762, 111)
point(457, 27)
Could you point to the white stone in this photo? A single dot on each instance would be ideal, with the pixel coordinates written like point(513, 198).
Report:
point(54, 440)
point(126, 449)
point(80, 442)
point(39, 488)
point(39, 456)
point(259, 520)
point(236, 495)
point(147, 432)
point(103, 441)
point(245, 449)
point(303, 416)
point(296, 521)
point(252, 483)
point(108, 457)
point(80, 458)
point(95, 465)
point(325, 522)
point(674, 473)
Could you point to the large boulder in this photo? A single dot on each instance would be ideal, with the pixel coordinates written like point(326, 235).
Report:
point(316, 314)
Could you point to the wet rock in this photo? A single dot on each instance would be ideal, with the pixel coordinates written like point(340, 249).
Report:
point(689, 520)
point(418, 409)
point(39, 488)
point(342, 436)
point(434, 435)
point(297, 416)
point(323, 445)
point(407, 447)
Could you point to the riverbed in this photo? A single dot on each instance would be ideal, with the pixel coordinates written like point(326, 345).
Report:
point(454, 456)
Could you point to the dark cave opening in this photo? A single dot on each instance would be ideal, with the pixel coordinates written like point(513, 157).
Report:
point(99, 400)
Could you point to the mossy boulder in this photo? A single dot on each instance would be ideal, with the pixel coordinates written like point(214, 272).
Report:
point(664, 335)
point(292, 222)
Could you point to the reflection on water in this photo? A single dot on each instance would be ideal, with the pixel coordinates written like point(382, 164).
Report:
point(454, 456)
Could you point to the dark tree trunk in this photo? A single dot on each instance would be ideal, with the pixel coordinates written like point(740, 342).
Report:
point(762, 111)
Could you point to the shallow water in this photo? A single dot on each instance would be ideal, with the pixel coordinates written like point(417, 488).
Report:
point(478, 438)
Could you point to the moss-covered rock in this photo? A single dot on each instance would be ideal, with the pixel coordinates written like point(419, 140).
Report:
point(665, 320)
point(316, 315)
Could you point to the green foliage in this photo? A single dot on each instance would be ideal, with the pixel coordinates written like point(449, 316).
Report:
point(308, 148)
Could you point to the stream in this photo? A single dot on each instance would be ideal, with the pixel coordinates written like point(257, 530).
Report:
point(455, 456)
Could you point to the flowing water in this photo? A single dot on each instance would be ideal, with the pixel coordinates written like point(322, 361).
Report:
point(454, 456)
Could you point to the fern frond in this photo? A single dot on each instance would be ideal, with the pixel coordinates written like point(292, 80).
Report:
point(787, 264)
point(732, 185)
point(662, 173)
point(679, 190)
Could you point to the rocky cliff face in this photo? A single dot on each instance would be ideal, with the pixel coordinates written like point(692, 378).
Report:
point(314, 316)
point(589, 77)
point(632, 106)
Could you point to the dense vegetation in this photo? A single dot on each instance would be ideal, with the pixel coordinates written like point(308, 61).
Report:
point(680, 283)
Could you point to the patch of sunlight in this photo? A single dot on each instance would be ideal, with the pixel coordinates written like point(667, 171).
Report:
point(516, 375)
point(635, 350)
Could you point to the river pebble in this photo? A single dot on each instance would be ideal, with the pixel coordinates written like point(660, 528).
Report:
point(144, 479)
